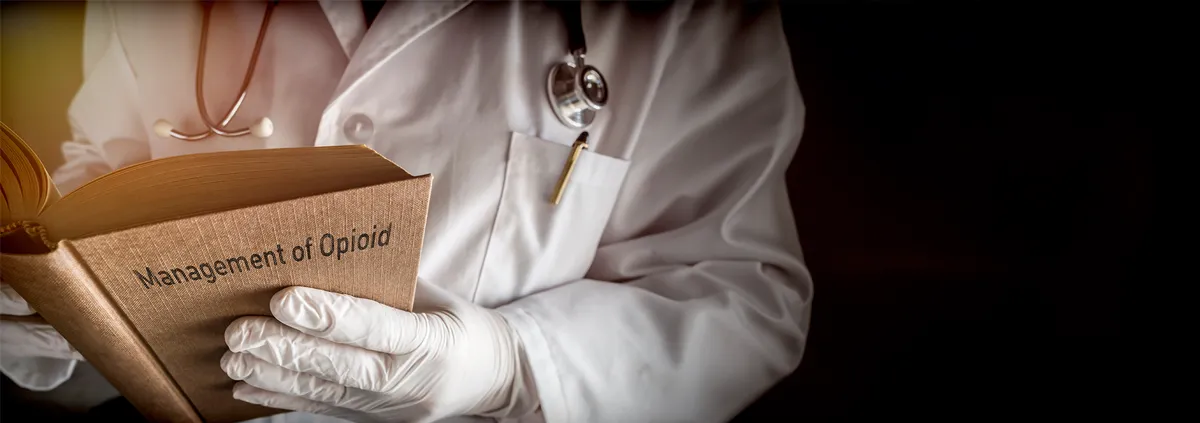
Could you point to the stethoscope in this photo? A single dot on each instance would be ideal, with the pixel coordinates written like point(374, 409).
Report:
point(576, 91)
point(262, 128)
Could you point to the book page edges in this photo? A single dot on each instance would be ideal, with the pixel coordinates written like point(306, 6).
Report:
point(195, 156)
point(48, 192)
point(62, 289)
point(425, 179)
point(420, 209)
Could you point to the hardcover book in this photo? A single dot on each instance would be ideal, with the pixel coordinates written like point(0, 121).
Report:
point(142, 269)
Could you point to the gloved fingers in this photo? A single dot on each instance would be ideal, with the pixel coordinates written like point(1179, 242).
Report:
point(355, 321)
point(245, 392)
point(23, 339)
point(39, 374)
point(12, 304)
point(282, 346)
point(266, 376)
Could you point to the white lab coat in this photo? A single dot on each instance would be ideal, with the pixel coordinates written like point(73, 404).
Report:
point(667, 286)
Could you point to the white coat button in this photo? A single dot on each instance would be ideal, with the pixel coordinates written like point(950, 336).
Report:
point(358, 128)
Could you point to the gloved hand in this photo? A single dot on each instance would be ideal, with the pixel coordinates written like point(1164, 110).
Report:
point(360, 360)
point(33, 355)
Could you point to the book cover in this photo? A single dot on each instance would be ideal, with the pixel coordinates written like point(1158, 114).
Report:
point(148, 305)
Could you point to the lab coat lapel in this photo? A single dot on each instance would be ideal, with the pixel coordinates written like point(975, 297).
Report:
point(348, 22)
point(398, 25)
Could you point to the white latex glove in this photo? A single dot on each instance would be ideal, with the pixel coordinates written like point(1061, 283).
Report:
point(360, 360)
point(33, 355)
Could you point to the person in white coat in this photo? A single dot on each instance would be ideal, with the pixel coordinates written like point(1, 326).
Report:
point(667, 285)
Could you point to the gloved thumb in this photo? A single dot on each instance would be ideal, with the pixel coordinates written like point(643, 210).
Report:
point(354, 321)
point(22, 339)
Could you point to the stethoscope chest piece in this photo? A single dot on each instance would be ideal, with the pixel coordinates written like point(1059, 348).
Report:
point(577, 91)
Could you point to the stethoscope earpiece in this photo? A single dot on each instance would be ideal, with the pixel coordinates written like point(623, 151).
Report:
point(163, 128)
point(262, 128)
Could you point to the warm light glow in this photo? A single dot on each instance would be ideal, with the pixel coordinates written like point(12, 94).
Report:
point(40, 70)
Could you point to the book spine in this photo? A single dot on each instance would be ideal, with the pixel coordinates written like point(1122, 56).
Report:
point(64, 291)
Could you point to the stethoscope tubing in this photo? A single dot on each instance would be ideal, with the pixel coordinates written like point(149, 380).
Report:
point(211, 127)
point(575, 90)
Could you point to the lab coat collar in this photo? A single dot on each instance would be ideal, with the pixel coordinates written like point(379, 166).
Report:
point(348, 22)
point(398, 24)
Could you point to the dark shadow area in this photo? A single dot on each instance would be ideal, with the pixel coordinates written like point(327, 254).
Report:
point(971, 192)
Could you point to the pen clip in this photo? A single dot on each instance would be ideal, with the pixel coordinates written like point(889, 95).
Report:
point(576, 149)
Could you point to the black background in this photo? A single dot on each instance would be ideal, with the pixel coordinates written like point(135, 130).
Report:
point(972, 191)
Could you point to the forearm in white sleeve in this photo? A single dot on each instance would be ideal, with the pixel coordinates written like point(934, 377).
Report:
point(107, 131)
point(698, 300)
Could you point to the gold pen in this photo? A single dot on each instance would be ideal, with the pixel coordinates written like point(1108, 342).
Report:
point(580, 145)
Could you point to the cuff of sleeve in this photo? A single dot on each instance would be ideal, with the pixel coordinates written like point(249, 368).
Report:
point(37, 373)
point(541, 363)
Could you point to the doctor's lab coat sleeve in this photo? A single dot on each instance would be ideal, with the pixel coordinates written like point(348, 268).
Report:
point(107, 134)
point(105, 115)
point(698, 300)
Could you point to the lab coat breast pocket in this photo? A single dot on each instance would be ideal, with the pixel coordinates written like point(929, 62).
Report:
point(535, 244)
